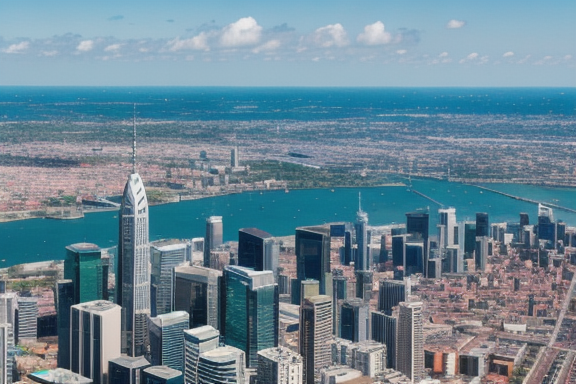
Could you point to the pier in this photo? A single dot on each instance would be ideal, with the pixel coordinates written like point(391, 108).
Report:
point(427, 197)
point(525, 199)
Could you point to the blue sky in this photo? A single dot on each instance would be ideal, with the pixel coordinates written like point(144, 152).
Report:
point(288, 43)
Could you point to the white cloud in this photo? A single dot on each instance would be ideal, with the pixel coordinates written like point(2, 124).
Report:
point(443, 54)
point(401, 51)
point(245, 31)
point(374, 34)
point(455, 24)
point(199, 42)
point(267, 46)
point(49, 53)
point(508, 54)
point(524, 60)
point(331, 35)
point(17, 48)
point(113, 48)
point(567, 57)
point(85, 46)
point(471, 57)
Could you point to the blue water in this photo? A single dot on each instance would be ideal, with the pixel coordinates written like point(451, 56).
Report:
point(276, 212)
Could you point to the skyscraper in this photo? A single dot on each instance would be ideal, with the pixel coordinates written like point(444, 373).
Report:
point(384, 329)
point(213, 239)
point(126, 370)
point(362, 261)
point(279, 366)
point(482, 224)
point(447, 218)
point(167, 339)
point(222, 365)
point(164, 256)
point(258, 250)
point(197, 291)
point(133, 278)
point(410, 345)
point(250, 311)
point(197, 341)
point(391, 293)
point(94, 338)
point(313, 258)
point(417, 225)
point(88, 270)
point(234, 162)
point(355, 320)
point(27, 318)
point(315, 334)
point(161, 374)
point(64, 299)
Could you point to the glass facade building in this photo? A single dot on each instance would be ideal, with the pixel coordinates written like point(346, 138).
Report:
point(88, 270)
point(164, 256)
point(167, 339)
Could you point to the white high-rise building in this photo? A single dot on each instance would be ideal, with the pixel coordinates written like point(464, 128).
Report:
point(279, 366)
point(315, 335)
point(410, 345)
point(447, 219)
point(94, 338)
point(133, 277)
point(214, 233)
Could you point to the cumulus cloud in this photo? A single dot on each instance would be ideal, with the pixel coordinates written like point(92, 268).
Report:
point(401, 51)
point(245, 31)
point(85, 46)
point(443, 54)
point(113, 48)
point(508, 54)
point(455, 24)
point(375, 34)
point(330, 36)
point(49, 53)
point(267, 46)
point(18, 48)
point(470, 57)
point(199, 42)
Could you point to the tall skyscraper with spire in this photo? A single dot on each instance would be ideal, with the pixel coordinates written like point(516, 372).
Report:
point(133, 278)
point(362, 261)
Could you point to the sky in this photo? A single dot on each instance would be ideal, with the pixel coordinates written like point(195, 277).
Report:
point(400, 43)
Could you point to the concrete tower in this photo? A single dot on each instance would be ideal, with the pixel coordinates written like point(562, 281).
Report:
point(133, 285)
point(315, 333)
point(410, 346)
point(362, 261)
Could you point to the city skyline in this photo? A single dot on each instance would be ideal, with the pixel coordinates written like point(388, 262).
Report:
point(340, 43)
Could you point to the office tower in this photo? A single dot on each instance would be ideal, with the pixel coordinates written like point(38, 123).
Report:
point(250, 311)
point(398, 250)
point(347, 248)
point(126, 369)
point(257, 250)
point(27, 318)
point(279, 366)
point(164, 256)
point(384, 330)
point(133, 278)
point(546, 225)
point(234, 162)
point(313, 258)
point(391, 293)
point(481, 253)
point(453, 262)
point(64, 299)
point(197, 341)
point(315, 334)
point(214, 233)
point(414, 252)
point(161, 374)
point(482, 224)
point(8, 308)
point(362, 262)
point(5, 363)
point(355, 320)
point(467, 238)
point(383, 257)
point(309, 288)
point(222, 365)
point(364, 282)
point(339, 294)
point(95, 338)
point(167, 339)
point(524, 219)
point(88, 270)
point(417, 225)
point(197, 291)
point(447, 218)
point(410, 344)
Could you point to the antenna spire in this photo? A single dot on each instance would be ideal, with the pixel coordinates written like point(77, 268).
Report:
point(134, 140)
point(359, 201)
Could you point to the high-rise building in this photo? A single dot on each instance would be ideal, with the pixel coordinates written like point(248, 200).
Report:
point(197, 341)
point(363, 260)
point(167, 339)
point(5, 363)
point(481, 253)
point(410, 342)
point(257, 250)
point(384, 330)
point(355, 320)
point(467, 238)
point(161, 374)
point(197, 291)
point(315, 334)
point(126, 369)
point(133, 277)
point(279, 366)
point(64, 299)
point(447, 218)
point(234, 161)
point(250, 311)
point(391, 293)
point(339, 294)
point(546, 225)
point(8, 309)
point(482, 224)
point(94, 338)
point(313, 258)
point(417, 225)
point(214, 236)
point(222, 365)
point(164, 256)
point(87, 266)
point(27, 318)
point(364, 283)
